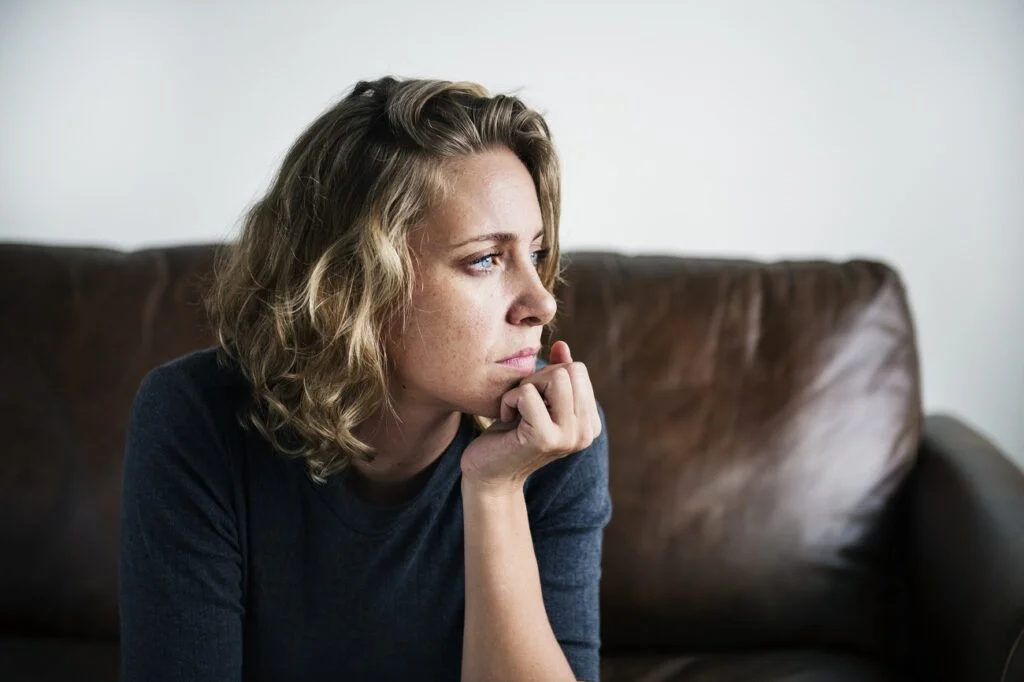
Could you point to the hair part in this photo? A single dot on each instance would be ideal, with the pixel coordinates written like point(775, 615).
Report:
point(302, 301)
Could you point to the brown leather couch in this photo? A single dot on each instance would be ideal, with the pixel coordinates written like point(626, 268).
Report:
point(782, 508)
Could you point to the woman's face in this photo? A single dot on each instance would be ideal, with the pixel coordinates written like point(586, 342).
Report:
point(479, 300)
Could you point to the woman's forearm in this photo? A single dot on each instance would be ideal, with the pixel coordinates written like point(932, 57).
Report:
point(507, 632)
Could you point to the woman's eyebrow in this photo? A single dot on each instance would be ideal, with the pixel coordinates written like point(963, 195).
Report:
point(500, 237)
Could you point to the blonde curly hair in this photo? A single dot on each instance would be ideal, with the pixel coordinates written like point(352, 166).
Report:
point(302, 300)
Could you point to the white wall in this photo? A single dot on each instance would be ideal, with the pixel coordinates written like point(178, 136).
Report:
point(892, 129)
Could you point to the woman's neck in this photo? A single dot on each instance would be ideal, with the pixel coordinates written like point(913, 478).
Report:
point(405, 451)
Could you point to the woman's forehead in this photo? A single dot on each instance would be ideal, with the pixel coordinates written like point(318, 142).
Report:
point(491, 193)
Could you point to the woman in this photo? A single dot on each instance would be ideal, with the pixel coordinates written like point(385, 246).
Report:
point(373, 477)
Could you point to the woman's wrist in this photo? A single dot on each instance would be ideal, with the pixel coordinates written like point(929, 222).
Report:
point(491, 491)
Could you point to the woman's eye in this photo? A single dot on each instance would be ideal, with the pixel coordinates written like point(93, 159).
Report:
point(485, 263)
point(491, 260)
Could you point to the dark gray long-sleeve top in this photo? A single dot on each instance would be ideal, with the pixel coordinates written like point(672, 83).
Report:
point(235, 565)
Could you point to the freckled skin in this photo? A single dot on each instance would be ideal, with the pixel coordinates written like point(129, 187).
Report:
point(465, 318)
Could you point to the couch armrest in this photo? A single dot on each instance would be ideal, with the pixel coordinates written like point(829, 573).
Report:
point(967, 556)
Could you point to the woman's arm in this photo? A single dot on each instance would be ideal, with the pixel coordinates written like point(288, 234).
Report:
point(180, 572)
point(516, 578)
point(507, 633)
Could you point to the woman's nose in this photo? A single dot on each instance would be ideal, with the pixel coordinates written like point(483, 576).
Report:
point(534, 304)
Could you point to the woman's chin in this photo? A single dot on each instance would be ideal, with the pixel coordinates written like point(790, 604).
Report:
point(486, 402)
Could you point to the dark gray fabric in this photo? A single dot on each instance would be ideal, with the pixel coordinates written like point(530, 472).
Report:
point(234, 565)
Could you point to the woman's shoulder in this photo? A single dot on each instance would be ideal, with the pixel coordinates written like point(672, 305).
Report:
point(184, 425)
point(181, 467)
point(202, 385)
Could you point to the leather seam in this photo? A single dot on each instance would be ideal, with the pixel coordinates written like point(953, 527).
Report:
point(1013, 652)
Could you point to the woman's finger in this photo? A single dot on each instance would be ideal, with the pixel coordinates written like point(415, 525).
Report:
point(559, 353)
point(584, 401)
point(533, 413)
point(509, 409)
point(559, 396)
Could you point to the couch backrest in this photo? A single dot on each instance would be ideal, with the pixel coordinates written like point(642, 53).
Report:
point(80, 329)
point(760, 416)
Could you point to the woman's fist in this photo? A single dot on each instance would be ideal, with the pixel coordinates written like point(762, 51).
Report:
point(550, 414)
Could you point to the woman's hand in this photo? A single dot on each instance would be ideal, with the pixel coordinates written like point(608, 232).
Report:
point(551, 414)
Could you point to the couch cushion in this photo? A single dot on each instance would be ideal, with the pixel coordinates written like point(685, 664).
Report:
point(798, 666)
point(58, 660)
point(761, 418)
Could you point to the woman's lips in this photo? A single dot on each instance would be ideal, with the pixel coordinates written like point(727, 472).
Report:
point(523, 363)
